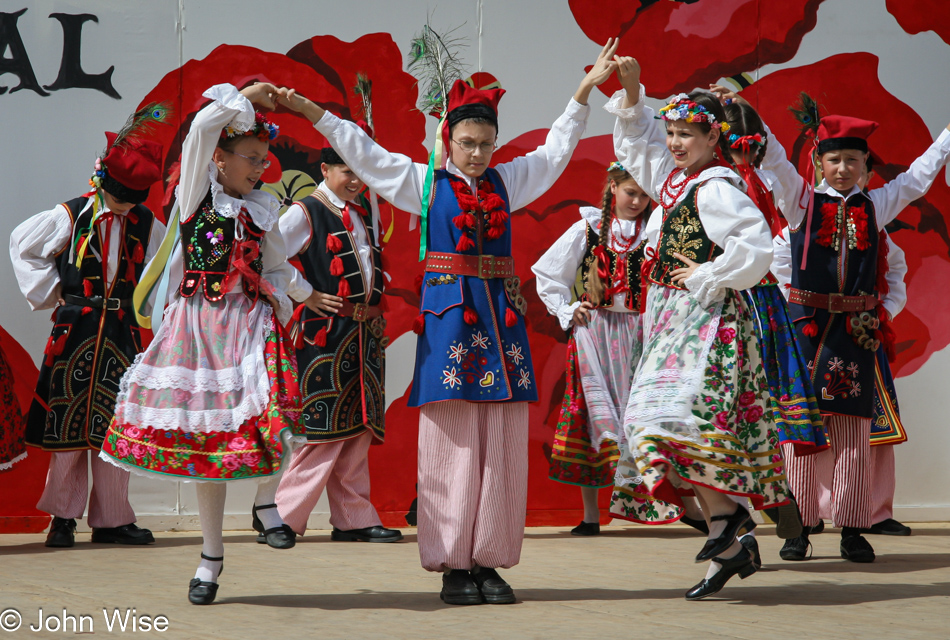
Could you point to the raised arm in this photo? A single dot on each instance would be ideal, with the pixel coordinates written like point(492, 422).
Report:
point(789, 189)
point(914, 183)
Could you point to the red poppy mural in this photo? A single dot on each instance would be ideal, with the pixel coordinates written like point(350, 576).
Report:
point(685, 44)
point(849, 84)
point(917, 16)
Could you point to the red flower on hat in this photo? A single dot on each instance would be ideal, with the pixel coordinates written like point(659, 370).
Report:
point(848, 84)
point(692, 44)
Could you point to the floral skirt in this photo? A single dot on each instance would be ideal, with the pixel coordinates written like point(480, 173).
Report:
point(214, 397)
point(792, 398)
point(718, 432)
point(601, 358)
point(12, 421)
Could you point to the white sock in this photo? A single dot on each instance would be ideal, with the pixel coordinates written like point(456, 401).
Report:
point(591, 511)
point(211, 497)
point(751, 533)
point(267, 494)
point(714, 567)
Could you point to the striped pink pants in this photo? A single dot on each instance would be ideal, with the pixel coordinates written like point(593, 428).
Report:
point(883, 484)
point(339, 467)
point(67, 485)
point(848, 464)
point(473, 484)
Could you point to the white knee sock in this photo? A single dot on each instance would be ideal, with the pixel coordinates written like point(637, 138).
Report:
point(211, 497)
point(267, 494)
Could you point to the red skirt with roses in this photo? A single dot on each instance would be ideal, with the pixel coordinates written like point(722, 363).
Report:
point(202, 404)
point(714, 430)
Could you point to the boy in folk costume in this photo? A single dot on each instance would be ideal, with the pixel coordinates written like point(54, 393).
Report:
point(473, 375)
point(834, 302)
point(343, 406)
point(82, 259)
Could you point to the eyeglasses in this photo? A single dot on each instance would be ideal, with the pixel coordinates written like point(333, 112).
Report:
point(469, 147)
point(255, 162)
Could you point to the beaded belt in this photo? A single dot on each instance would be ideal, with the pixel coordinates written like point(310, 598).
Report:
point(833, 302)
point(481, 266)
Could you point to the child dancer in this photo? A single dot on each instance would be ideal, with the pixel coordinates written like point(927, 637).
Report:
point(607, 245)
point(473, 375)
point(343, 406)
point(697, 414)
point(82, 259)
point(833, 300)
point(215, 395)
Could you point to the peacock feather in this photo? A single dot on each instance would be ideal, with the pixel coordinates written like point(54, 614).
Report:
point(143, 121)
point(364, 89)
point(434, 61)
point(807, 113)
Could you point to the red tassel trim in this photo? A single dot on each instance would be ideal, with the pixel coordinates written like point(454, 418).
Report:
point(54, 348)
point(419, 324)
point(343, 290)
point(810, 329)
point(86, 310)
point(464, 244)
point(138, 256)
point(336, 266)
point(419, 280)
point(320, 339)
point(86, 288)
point(334, 244)
point(471, 317)
point(511, 318)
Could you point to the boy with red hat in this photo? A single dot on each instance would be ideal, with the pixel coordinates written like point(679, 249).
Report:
point(837, 248)
point(473, 374)
point(332, 234)
point(82, 259)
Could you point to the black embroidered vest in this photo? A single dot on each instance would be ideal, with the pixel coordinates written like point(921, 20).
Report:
point(635, 259)
point(682, 232)
point(208, 242)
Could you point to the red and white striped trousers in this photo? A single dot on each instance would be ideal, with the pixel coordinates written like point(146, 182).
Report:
point(473, 484)
point(67, 485)
point(883, 484)
point(848, 464)
point(339, 467)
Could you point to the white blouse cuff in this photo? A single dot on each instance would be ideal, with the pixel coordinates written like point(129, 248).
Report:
point(703, 287)
point(565, 315)
point(230, 98)
point(630, 113)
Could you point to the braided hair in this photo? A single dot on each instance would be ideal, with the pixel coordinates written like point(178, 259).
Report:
point(745, 121)
point(594, 285)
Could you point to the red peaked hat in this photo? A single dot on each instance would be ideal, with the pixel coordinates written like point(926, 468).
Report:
point(844, 132)
point(465, 101)
point(131, 168)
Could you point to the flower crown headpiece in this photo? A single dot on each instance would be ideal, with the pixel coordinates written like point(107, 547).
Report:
point(263, 128)
point(615, 166)
point(681, 107)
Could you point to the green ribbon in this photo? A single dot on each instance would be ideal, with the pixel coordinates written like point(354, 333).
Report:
point(435, 158)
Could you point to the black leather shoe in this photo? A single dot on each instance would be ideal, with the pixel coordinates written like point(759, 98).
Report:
point(586, 529)
point(750, 543)
point(459, 588)
point(378, 533)
point(492, 586)
point(797, 548)
point(699, 525)
point(282, 537)
point(126, 534)
point(818, 528)
point(62, 533)
point(740, 564)
point(856, 548)
point(889, 527)
point(734, 522)
point(200, 592)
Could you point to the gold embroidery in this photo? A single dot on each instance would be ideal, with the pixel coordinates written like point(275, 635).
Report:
point(685, 242)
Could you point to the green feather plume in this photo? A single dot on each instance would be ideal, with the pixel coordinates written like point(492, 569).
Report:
point(806, 112)
point(364, 89)
point(143, 121)
point(434, 61)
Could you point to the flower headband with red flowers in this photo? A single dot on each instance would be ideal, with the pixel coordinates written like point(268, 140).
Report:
point(263, 128)
point(681, 107)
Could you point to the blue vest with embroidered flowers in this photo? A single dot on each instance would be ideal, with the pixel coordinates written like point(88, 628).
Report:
point(842, 259)
point(487, 360)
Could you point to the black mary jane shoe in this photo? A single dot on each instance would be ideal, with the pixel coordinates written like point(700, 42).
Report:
point(458, 587)
point(378, 533)
point(734, 522)
point(126, 534)
point(750, 543)
point(492, 586)
point(201, 592)
point(699, 525)
point(62, 533)
point(282, 537)
point(586, 529)
point(741, 564)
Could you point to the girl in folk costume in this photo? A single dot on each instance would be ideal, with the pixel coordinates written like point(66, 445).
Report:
point(215, 396)
point(607, 246)
point(473, 375)
point(837, 265)
point(698, 414)
point(343, 402)
point(83, 259)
